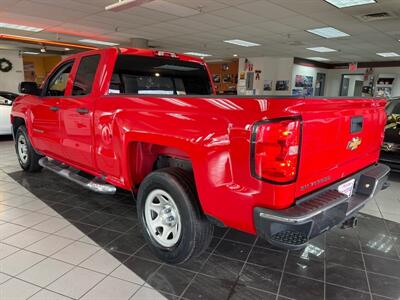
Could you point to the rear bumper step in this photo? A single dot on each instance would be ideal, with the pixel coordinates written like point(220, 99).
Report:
point(293, 227)
point(94, 184)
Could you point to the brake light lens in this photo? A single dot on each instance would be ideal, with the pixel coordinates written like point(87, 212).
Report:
point(276, 150)
point(166, 54)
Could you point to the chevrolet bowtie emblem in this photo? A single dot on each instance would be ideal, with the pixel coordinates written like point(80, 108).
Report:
point(354, 143)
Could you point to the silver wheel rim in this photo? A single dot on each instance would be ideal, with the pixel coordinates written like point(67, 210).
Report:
point(162, 218)
point(22, 149)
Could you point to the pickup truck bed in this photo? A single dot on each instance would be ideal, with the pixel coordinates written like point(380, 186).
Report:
point(148, 122)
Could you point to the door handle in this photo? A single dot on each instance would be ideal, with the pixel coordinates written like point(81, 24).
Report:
point(54, 108)
point(82, 111)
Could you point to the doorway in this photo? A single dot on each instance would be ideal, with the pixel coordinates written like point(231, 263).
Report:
point(358, 88)
point(320, 84)
point(351, 85)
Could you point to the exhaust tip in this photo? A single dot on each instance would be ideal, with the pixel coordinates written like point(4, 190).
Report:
point(350, 223)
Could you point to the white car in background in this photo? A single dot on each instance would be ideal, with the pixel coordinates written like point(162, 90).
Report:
point(6, 100)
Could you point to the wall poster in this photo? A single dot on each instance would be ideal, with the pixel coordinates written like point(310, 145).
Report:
point(304, 81)
point(227, 78)
point(267, 85)
point(282, 85)
point(216, 78)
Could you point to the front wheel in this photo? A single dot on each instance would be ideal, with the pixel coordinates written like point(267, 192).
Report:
point(170, 217)
point(27, 157)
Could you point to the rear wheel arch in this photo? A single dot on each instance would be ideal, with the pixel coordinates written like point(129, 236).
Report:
point(146, 157)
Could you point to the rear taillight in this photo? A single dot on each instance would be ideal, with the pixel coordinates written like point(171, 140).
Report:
point(275, 150)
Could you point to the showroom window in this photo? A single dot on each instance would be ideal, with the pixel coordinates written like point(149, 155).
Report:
point(158, 76)
point(85, 75)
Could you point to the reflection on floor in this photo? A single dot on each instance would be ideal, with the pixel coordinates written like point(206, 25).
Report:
point(361, 263)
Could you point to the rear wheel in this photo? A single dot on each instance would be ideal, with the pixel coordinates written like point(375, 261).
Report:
point(170, 217)
point(27, 157)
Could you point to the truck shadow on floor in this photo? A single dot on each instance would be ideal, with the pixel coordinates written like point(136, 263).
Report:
point(236, 265)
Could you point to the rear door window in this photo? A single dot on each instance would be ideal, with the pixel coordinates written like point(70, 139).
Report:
point(83, 82)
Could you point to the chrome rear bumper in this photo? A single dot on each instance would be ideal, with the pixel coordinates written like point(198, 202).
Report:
point(316, 213)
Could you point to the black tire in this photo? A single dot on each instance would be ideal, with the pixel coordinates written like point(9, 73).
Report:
point(30, 163)
point(196, 231)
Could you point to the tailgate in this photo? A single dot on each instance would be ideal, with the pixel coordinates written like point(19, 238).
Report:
point(339, 137)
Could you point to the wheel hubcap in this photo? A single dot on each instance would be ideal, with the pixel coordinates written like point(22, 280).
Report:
point(22, 149)
point(162, 218)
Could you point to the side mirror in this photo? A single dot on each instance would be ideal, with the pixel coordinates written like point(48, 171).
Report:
point(28, 87)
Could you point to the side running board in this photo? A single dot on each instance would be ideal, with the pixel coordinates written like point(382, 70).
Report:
point(94, 184)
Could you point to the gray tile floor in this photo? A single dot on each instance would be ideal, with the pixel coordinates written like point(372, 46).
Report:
point(58, 241)
point(44, 256)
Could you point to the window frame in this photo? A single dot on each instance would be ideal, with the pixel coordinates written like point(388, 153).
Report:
point(210, 87)
point(61, 68)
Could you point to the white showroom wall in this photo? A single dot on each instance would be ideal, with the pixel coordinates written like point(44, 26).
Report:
point(308, 71)
point(9, 81)
point(283, 68)
point(335, 77)
point(272, 68)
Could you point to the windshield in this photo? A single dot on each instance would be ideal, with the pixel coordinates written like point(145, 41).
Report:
point(158, 76)
point(393, 107)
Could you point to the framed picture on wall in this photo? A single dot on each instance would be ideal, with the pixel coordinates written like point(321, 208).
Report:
point(216, 78)
point(299, 81)
point(308, 81)
point(297, 92)
point(308, 91)
point(227, 78)
point(282, 85)
point(267, 85)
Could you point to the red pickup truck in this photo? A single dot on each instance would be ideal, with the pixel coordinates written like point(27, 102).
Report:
point(286, 169)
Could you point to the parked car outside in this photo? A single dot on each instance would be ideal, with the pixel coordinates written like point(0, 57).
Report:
point(390, 151)
point(6, 100)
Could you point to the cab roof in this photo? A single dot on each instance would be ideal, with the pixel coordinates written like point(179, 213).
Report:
point(145, 52)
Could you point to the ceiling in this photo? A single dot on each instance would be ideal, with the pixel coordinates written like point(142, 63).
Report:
point(202, 25)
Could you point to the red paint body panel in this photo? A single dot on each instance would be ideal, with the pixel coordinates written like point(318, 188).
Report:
point(123, 135)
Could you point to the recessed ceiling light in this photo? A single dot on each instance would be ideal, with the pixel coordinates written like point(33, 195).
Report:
point(328, 32)
point(96, 42)
point(317, 58)
point(321, 49)
point(67, 49)
point(349, 3)
point(198, 54)
point(125, 4)
point(235, 55)
point(388, 54)
point(20, 27)
point(242, 43)
point(30, 53)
